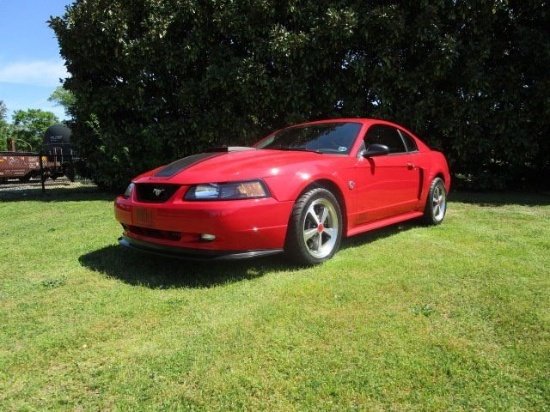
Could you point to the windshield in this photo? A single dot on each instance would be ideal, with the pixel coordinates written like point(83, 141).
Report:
point(322, 138)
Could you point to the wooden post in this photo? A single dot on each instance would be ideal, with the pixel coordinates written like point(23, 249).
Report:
point(42, 180)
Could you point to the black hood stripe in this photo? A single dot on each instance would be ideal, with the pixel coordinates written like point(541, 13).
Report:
point(185, 163)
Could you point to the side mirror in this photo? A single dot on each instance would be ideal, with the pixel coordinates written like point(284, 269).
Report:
point(376, 150)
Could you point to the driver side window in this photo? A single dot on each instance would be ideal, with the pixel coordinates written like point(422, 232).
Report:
point(385, 135)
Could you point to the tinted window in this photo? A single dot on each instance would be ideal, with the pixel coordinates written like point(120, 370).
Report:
point(409, 142)
point(385, 135)
point(322, 137)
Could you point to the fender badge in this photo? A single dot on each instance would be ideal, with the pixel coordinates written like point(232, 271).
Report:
point(351, 184)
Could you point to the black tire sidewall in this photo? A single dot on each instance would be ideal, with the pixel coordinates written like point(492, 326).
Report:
point(295, 247)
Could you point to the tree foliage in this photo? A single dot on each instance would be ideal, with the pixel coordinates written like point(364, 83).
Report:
point(28, 128)
point(63, 97)
point(154, 80)
point(4, 127)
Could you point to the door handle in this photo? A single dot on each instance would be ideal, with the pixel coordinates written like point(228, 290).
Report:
point(411, 166)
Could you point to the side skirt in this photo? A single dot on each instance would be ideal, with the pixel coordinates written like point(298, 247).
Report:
point(382, 223)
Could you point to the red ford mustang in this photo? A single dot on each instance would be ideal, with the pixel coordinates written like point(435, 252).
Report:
point(298, 191)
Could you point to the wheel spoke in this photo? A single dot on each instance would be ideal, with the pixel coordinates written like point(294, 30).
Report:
point(309, 233)
point(324, 215)
point(311, 213)
point(330, 231)
point(316, 242)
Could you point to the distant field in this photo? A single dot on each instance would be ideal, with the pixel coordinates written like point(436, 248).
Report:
point(410, 318)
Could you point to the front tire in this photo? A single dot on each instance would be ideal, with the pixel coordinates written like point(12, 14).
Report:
point(436, 204)
point(315, 228)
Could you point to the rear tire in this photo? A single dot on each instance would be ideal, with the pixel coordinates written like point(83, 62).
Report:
point(436, 203)
point(315, 228)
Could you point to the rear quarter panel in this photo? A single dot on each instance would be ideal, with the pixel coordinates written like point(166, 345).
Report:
point(433, 164)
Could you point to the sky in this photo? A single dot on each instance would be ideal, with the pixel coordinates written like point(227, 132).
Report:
point(30, 63)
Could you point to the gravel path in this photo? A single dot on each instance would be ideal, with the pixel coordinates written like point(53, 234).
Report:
point(14, 189)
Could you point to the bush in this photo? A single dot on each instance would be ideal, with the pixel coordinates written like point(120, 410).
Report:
point(154, 80)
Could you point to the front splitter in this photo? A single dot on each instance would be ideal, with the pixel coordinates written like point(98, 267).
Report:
point(193, 254)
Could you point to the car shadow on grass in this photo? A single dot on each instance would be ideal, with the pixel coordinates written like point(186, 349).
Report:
point(158, 272)
point(372, 236)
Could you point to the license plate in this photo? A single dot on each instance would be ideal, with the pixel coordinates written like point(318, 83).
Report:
point(143, 217)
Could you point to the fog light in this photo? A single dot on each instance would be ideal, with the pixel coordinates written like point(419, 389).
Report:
point(207, 237)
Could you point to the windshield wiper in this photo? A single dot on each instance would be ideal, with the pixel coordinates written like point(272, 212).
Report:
point(294, 149)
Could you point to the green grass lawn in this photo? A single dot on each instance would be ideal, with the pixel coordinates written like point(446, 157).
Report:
point(410, 318)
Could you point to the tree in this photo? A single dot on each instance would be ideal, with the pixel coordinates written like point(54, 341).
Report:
point(28, 127)
point(155, 80)
point(4, 126)
point(63, 97)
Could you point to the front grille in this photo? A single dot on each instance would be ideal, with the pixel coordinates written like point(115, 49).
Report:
point(155, 193)
point(155, 233)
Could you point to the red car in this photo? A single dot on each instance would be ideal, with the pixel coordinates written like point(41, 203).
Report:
point(298, 191)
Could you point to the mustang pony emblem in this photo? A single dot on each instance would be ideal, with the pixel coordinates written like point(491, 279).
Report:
point(157, 191)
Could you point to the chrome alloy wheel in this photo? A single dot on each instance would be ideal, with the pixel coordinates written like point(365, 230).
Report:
point(438, 201)
point(320, 228)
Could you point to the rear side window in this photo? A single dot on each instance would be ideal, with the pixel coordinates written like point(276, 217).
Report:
point(409, 141)
point(386, 135)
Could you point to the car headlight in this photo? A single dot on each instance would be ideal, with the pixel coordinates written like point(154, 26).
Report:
point(227, 191)
point(129, 190)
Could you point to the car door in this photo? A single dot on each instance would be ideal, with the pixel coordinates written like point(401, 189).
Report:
point(387, 185)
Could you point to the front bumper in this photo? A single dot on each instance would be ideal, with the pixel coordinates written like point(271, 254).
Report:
point(192, 254)
point(245, 227)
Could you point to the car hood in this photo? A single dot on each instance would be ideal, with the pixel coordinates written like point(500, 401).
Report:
point(239, 164)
